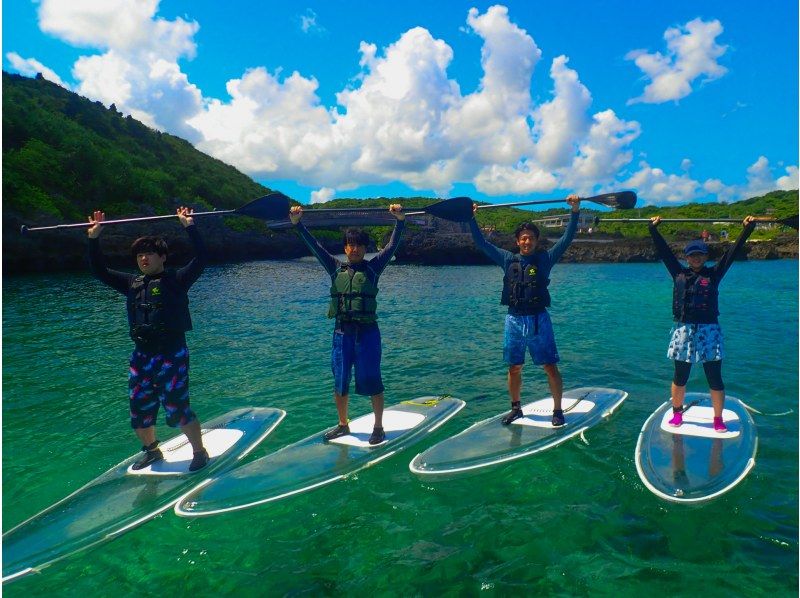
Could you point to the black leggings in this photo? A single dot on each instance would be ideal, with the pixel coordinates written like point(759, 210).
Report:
point(713, 371)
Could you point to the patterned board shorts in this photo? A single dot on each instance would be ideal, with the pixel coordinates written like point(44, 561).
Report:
point(531, 333)
point(157, 379)
point(696, 343)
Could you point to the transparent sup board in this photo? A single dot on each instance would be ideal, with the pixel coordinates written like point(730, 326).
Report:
point(122, 499)
point(489, 442)
point(693, 463)
point(312, 462)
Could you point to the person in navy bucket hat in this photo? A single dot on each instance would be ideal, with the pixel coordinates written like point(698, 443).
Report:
point(696, 336)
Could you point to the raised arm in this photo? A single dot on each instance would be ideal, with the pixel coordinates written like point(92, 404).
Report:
point(119, 281)
point(380, 261)
point(727, 260)
point(497, 254)
point(662, 249)
point(187, 275)
point(318, 251)
point(560, 246)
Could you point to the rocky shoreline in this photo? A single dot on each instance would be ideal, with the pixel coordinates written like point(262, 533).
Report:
point(66, 251)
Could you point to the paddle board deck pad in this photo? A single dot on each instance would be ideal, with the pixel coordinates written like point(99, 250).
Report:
point(489, 442)
point(312, 462)
point(122, 499)
point(692, 463)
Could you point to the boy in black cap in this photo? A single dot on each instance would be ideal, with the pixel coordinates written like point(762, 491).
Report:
point(697, 336)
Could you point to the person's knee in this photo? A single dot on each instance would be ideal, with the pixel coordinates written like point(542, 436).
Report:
point(551, 369)
point(515, 370)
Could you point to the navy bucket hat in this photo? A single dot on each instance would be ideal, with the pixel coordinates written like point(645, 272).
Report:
point(697, 246)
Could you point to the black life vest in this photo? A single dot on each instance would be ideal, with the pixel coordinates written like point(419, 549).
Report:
point(353, 296)
point(158, 308)
point(524, 289)
point(695, 297)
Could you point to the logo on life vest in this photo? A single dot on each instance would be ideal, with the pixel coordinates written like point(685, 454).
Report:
point(531, 271)
point(155, 291)
point(704, 282)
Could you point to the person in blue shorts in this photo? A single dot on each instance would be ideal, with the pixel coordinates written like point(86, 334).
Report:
point(528, 326)
point(353, 306)
point(696, 336)
point(158, 318)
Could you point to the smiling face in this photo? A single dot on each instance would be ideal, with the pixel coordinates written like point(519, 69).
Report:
point(696, 261)
point(527, 242)
point(355, 253)
point(150, 262)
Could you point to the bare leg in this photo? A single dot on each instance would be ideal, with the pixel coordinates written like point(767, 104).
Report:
point(377, 408)
point(341, 407)
point(555, 382)
point(515, 382)
point(718, 401)
point(194, 434)
point(147, 436)
point(678, 395)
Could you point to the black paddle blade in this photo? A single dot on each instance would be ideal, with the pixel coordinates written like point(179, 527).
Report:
point(621, 200)
point(790, 221)
point(456, 209)
point(268, 207)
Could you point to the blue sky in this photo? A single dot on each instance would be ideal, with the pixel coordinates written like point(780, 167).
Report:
point(692, 101)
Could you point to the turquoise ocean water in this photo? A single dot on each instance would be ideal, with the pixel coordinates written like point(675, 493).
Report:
point(572, 521)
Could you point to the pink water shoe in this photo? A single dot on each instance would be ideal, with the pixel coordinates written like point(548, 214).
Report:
point(677, 418)
point(719, 425)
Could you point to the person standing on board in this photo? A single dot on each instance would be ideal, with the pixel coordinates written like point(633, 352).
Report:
point(158, 317)
point(696, 336)
point(528, 326)
point(356, 337)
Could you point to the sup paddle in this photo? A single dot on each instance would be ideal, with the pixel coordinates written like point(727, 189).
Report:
point(459, 209)
point(790, 221)
point(268, 207)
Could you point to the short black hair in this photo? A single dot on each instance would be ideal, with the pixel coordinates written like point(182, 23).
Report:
point(527, 226)
point(355, 236)
point(149, 244)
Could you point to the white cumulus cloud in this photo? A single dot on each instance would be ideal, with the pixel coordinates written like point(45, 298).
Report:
point(30, 67)
point(322, 195)
point(692, 52)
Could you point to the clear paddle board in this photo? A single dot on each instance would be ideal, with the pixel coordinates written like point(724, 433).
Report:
point(312, 462)
point(122, 499)
point(693, 463)
point(489, 442)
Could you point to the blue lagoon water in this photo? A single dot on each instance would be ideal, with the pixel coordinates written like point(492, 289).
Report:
point(574, 520)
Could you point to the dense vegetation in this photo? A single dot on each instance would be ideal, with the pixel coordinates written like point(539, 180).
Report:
point(64, 155)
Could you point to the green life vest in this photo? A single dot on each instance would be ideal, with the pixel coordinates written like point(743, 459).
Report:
point(353, 297)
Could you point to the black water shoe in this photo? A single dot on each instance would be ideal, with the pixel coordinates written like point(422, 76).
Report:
point(515, 413)
point(199, 461)
point(151, 454)
point(378, 435)
point(337, 432)
point(558, 418)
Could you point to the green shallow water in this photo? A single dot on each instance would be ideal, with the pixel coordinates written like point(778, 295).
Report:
point(574, 520)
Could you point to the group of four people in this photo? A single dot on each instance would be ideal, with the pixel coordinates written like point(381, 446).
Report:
point(158, 318)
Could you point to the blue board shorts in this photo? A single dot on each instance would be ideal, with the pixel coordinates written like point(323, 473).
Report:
point(157, 379)
point(532, 333)
point(696, 343)
point(360, 350)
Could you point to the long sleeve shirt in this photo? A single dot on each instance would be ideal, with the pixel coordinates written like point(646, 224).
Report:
point(123, 282)
point(372, 268)
point(685, 279)
point(543, 260)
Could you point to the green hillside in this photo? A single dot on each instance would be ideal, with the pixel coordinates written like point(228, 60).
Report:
point(64, 156)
